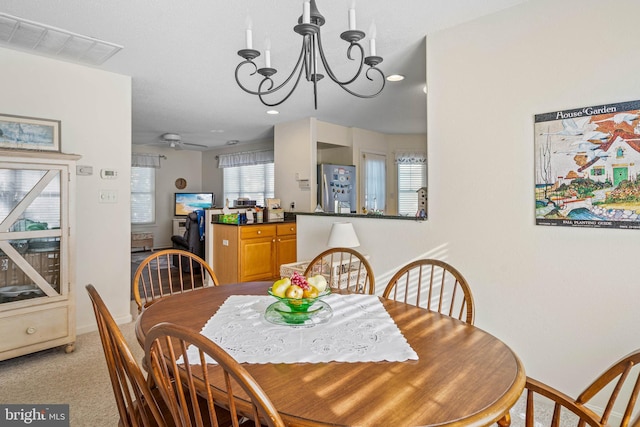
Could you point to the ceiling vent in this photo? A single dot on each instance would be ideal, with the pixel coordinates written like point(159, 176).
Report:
point(41, 39)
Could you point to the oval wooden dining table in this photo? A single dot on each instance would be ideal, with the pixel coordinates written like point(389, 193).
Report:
point(463, 377)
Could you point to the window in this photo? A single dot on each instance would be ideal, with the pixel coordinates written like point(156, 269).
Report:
point(143, 197)
point(374, 181)
point(255, 182)
point(412, 175)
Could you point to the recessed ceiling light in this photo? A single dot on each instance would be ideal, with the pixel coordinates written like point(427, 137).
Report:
point(395, 77)
point(273, 112)
point(232, 142)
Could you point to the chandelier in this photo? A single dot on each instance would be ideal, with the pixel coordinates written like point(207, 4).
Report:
point(311, 54)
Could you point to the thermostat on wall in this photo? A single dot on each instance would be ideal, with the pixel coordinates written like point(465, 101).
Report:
point(108, 174)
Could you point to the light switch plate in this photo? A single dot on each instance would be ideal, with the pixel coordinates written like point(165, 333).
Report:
point(108, 196)
point(84, 170)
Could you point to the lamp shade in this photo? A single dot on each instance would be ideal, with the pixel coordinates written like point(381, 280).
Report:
point(343, 235)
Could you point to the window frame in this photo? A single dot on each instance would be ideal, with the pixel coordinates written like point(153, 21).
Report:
point(402, 191)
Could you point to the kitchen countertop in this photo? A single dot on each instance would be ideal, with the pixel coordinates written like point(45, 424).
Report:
point(286, 221)
point(355, 215)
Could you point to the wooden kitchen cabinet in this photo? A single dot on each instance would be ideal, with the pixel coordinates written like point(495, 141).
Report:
point(37, 240)
point(286, 245)
point(244, 253)
point(257, 252)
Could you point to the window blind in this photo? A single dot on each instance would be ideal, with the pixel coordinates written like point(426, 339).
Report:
point(255, 182)
point(143, 183)
point(411, 177)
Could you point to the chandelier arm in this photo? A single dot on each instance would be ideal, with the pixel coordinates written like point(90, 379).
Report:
point(330, 73)
point(290, 75)
point(271, 89)
point(367, 75)
point(260, 95)
point(248, 61)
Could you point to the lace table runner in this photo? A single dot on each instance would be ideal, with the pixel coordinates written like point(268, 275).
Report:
point(360, 330)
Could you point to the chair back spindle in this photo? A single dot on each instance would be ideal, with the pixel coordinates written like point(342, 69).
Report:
point(185, 364)
point(344, 268)
point(540, 397)
point(168, 272)
point(434, 285)
point(623, 380)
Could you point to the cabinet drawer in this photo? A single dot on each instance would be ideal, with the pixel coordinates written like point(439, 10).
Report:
point(35, 327)
point(253, 231)
point(286, 229)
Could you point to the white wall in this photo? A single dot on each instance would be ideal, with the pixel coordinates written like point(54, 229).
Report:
point(565, 299)
point(295, 152)
point(185, 164)
point(389, 243)
point(95, 110)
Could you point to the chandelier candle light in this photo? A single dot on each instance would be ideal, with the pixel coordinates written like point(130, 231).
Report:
point(311, 54)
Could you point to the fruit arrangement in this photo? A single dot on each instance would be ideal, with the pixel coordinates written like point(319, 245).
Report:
point(300, 291)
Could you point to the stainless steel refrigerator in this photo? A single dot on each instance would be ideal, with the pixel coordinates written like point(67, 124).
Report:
point(337, 188)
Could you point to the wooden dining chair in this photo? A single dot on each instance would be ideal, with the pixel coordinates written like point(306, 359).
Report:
point(619, 385)
point(206, 370)
point(548, 407)
point(434, 285)
point(616, 389)
point(168, 272)
point(137, 404)
point(344, 268)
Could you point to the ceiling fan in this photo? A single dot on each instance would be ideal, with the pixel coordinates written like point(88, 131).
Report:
point(174, 140)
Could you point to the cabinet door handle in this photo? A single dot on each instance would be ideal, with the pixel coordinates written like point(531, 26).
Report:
point(31, 330)
point(291, 229)
point(259, 231)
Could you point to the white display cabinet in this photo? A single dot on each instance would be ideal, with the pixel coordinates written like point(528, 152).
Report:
point(37, 246)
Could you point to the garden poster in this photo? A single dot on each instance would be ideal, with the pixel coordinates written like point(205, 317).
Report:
point(587, 164)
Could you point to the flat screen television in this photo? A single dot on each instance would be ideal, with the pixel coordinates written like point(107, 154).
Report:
point(185, 203)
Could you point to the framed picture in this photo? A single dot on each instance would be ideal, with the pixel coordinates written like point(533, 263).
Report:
point(29, 133)
point(587, 167)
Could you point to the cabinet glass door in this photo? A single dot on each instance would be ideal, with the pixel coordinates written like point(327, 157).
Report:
point(30, 232)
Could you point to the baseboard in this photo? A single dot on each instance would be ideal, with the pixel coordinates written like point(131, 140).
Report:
point(84, 329)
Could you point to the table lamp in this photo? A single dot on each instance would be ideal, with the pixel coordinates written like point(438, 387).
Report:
point(342, 235)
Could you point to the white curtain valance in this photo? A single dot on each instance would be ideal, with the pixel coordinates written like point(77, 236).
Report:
point(245, 158)
point(411, 158)
point(143, 160)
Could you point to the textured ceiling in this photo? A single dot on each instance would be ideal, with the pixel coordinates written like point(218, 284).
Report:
point(182, 55)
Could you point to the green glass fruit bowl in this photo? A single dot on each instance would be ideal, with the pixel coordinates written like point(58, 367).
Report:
point(300, 305)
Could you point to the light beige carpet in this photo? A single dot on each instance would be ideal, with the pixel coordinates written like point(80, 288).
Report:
point(79, 379)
